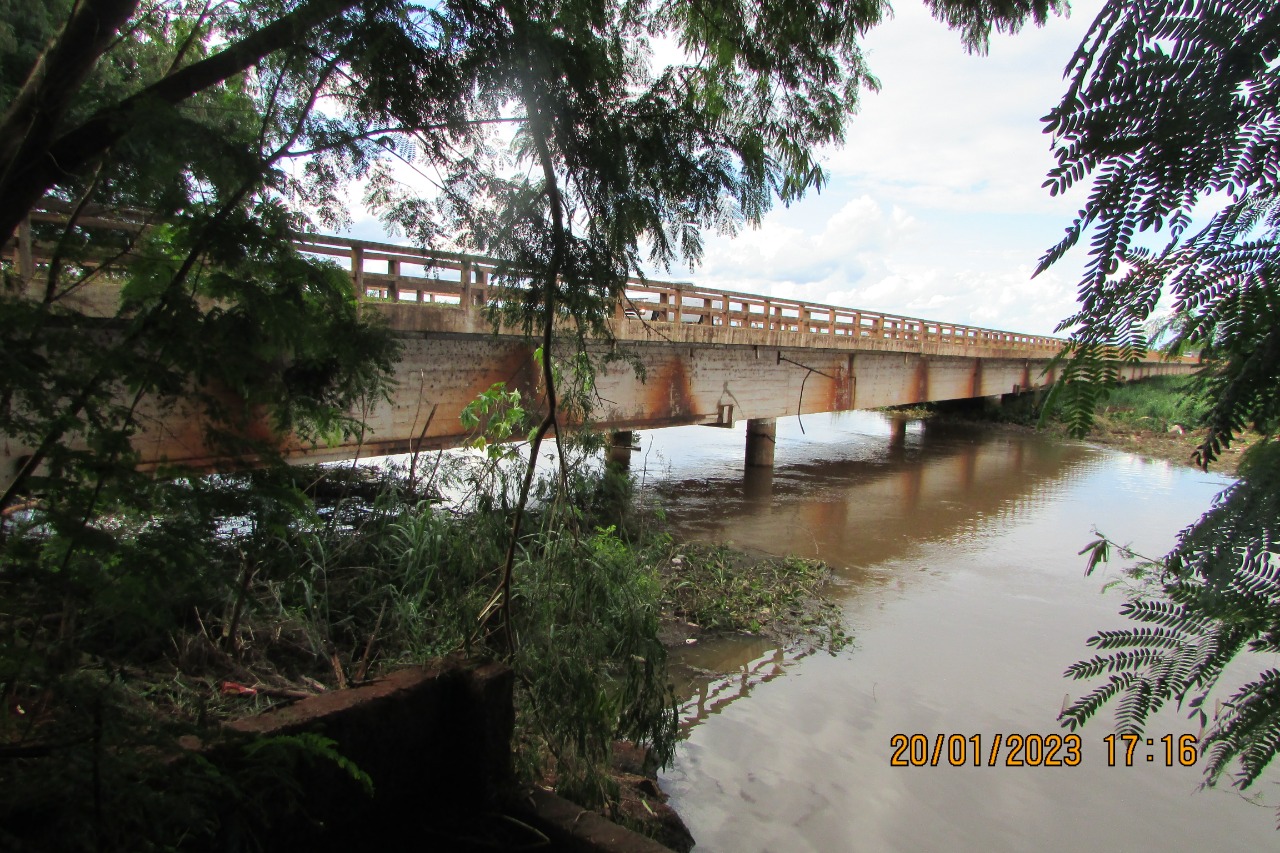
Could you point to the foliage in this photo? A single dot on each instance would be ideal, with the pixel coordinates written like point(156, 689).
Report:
point(376, 576)
point(1171, 110)
point(1215, 597)
point(586, 594)
point(1158, 403)
point(214, 306)
point(215, 132)
point(106, 774)
point(720, 589)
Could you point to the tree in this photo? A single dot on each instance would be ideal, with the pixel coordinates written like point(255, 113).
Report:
point(625, 160)
point(1172, 109)
point(546, 137)
point(209, 262)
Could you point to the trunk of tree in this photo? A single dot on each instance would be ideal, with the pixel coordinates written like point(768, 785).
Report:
point(33, 161)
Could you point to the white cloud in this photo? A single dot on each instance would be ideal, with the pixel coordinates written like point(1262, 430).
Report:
point(935, 207)
point(802, 254)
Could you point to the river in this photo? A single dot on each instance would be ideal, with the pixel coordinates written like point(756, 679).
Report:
point(956, 557)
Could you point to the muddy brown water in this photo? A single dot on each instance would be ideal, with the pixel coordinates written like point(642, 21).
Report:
point(956, 554)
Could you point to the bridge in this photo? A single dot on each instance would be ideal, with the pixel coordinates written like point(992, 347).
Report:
point(710, 357)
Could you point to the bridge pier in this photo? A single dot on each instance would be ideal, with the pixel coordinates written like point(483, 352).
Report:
point(757, 485)
point(897, 437)
point(618, 456)
point(761, 441)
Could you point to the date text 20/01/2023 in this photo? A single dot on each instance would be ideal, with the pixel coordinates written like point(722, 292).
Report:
point(1035, 750)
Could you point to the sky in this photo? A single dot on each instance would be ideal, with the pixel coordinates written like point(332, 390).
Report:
point(935, 207)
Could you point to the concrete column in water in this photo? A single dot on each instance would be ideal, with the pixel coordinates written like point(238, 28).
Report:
point(619, 453)
point(761, 440)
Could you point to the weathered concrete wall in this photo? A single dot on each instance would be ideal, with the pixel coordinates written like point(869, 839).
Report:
point(692, 374)
point(435, 739)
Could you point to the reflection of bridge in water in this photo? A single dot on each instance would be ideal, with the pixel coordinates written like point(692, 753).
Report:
point(708, 356)
point(943, 483)
point(731, 675)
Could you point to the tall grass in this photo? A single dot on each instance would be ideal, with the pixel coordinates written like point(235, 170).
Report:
point(1158, 403)
point(116, 643)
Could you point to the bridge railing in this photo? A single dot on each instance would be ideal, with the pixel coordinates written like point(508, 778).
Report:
point(387, 272)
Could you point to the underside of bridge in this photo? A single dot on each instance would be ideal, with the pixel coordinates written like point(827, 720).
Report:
point(656, 383)
point(681, 355)
point(661, 383)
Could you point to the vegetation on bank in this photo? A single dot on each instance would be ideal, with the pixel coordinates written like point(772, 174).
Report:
point(136, 609)
point(720, 589)
point(1164, 416)
point(1167, 417)
point(223, 602)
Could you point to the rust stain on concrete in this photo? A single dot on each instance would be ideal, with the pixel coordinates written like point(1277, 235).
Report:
point(922, 380)
point(853, 385)
point(669, 395)
point(841, 398)
point(975, 379)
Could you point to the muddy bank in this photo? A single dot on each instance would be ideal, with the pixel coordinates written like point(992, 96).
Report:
point(1172, 445)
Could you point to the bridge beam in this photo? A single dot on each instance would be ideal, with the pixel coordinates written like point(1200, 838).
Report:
point(708, 357)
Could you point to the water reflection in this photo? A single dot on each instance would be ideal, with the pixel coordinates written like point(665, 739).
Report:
point(966, 598)
point(716, 675)
point(863, 508)
point(855, 510)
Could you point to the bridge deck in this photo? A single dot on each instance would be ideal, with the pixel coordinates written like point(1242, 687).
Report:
point(707, 357)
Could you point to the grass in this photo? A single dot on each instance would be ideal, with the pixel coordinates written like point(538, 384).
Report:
point(227, 595)
point(1158, 404)
point(723, 590)
point(232, 594)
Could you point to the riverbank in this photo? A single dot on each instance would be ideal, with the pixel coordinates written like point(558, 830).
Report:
point(252, 592)
point(712, 590)
point(1162, 417)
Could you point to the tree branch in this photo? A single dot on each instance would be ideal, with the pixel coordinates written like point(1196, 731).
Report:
point(29, 173)
point(31, 120)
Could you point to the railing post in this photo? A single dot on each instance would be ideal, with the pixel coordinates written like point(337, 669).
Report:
point(393, 273)
point(357, 269)
point(464, 287)
point(768, 315)
point(26, 267)
point(679, 300)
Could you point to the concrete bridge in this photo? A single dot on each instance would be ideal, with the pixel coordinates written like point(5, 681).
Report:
point(708, 357)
